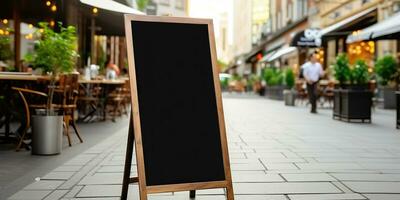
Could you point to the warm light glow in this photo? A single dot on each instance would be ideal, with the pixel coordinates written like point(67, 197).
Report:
point(95, 10)
point(1, 32)
point(52, 23)
point(54, 8)
point(7, 33)
point(30, 26)
point(41, 30)
point(371, 43)
point(29, 36)
point(48, 3)
point(5, 21)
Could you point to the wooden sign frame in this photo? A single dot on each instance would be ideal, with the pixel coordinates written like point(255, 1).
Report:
point(135, 134)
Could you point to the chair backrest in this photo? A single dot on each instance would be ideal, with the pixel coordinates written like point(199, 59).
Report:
point(69, 87)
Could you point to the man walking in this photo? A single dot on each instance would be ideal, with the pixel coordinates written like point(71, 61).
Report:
point(312, 72)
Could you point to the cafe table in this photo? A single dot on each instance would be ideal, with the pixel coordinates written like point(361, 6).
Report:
point(8, 79)
point(107, 87)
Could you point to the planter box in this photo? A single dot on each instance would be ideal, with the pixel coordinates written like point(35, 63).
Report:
point(275, 92)
point(398, 110)
point(289, 96)
point(389, 97)
point(337, 101)
point(350, 105)
point(47, 134)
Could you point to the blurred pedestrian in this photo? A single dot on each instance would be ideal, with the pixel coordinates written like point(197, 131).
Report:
point(112, 70)
point(312, 73)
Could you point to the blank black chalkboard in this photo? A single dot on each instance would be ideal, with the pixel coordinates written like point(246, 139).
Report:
point(177, 104)
point(178, 121)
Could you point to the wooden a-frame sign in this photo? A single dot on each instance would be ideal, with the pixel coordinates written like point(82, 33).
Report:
point(177, 122)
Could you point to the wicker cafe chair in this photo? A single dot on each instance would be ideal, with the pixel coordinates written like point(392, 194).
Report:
point(115, 102)
point(328, 94)
point(27, 111)
point(68, 90)
point(66, 93)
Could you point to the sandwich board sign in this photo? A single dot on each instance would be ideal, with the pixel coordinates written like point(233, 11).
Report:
point(177, 122)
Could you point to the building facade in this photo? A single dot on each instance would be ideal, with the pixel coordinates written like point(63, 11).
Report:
point(347, 18)
point(177, 8)
point(334, 21)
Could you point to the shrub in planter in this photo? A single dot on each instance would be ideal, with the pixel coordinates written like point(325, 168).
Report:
point(352, 101)
point(224, 83)
point(274, 79)
point(289, 95)
point(341, 69)
point(387, 70)
point(55, 53)
point(359, 75)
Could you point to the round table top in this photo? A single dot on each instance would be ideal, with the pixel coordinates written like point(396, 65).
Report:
point(30, 77)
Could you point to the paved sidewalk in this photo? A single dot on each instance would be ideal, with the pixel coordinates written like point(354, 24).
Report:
point(276, 153)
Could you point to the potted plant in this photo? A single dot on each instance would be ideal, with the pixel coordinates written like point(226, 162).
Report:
point(274, 79)
point(353, 100)
point(387, 70)
point(359, 75)
point(5, 51)
point(342, 70)
point(55, 53)
point(289, 94)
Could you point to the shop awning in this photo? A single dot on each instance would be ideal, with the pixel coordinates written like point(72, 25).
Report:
point(339, 25)
point(282, 51)
point(267, 56)
point(390, 30)
point(382, 30)
point(307, 38)
point(111, 6)
point(110, 17)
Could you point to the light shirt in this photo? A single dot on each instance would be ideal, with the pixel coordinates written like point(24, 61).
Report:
point(312, 72)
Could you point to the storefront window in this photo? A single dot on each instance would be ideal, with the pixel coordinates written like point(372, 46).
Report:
point(361, 50)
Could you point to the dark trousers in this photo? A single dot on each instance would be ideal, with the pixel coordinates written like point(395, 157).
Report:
point(312, 95)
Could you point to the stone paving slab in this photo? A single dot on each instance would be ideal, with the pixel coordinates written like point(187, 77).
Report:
point(276, 153)
point(327, 197)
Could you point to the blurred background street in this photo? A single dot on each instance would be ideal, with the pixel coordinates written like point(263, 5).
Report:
point(310, 91)
point(276, 152)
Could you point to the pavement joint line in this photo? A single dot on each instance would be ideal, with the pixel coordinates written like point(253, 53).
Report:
point(342, 187)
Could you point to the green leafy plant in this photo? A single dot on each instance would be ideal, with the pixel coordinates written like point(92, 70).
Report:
point(273, 76)
point(268, 74)
point(387, 69)
point(341, 69)
point(142, 4)
point(236, 77)
point(359, 74)
point(55, 53)
point(289, 78)
point(5, 48)
point(253, 79)
point(224, 83)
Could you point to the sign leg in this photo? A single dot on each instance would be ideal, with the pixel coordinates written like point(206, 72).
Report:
point(192, 194)
point(229, 193)
point(128, 160)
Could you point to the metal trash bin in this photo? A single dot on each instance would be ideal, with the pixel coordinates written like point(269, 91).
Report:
point(47, 134)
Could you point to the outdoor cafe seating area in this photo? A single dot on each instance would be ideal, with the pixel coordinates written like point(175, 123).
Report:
point(78, 100)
